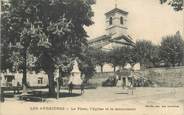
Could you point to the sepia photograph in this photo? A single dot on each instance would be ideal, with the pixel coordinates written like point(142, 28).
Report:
point(92, 57)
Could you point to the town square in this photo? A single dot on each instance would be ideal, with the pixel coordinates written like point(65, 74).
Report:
point(92, 57)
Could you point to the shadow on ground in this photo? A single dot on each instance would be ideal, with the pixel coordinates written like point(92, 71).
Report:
point(122, 93)
point(10, 95)
point(61, 94)
point(40, 95)
point(64, 95)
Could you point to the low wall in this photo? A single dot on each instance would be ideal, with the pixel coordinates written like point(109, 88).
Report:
point(164, 77)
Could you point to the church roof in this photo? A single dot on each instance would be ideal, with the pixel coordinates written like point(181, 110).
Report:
point(103, 37)
point(128, 40)
point(106, 39)
point(116, 10)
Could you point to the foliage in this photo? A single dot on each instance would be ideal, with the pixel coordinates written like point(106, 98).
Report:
point(99, 57)
point(176, 4)
point(5, 60)
point(172, 49)
point(121, 56)
point(86, 63)
point(132, 55)
point(114, 57)
point(154, 57)
point(146, 53)
point(87, 68)
point(48, 29)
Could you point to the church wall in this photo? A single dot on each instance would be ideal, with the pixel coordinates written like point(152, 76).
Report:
point(115, 45)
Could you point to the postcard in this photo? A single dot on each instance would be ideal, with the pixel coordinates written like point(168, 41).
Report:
point(92, 57)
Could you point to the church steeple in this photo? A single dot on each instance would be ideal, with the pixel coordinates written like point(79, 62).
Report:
point(116, 21)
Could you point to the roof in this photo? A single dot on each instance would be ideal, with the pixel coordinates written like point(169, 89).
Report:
point(116, 10)
point(127, 38)
point(107, 39)
point(103, 37)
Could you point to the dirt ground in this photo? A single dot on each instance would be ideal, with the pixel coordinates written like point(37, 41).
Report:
point(104, 100)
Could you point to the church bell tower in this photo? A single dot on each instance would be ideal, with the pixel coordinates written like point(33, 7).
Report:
point(116, 22)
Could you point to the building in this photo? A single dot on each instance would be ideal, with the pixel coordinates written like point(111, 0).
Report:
point(116, 34)
point(9, 79)
point(116, 31)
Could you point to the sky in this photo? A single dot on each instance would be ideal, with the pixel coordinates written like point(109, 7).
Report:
point(147, 19)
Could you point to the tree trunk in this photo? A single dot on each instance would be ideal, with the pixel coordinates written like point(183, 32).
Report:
point(101, 66)
point(114, 68)
point(24, 78)
point(51, 83)
point(173, 64)
point(57, 97)
point(1, 92)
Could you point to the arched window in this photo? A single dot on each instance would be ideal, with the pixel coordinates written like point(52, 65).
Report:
point(121, 20)
point(110, 21)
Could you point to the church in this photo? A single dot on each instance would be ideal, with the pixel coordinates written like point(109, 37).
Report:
point(116, 31)
point(116, 34)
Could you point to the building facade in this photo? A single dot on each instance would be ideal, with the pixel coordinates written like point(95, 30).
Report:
point(9, 79)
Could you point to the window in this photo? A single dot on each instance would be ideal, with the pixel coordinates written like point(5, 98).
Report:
point(110, 21)
point(9, 78)
point(121, 20)
point(40, 80)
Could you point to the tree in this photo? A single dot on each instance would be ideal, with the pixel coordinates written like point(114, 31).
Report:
point(172, 50)
point(176, 4)
point(5, 49)
point(49, 29)
point(87, 63)
point(147, 53)
point(119, 57)
point(124, 56)
point(99, 57)
point(13, 32)
point(6, 63)
point(113, 58)
point(131, 55)
point(87, 67)
point(154, 57)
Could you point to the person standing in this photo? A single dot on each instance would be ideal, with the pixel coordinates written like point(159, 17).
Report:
point(82, 87)
point(70, 86)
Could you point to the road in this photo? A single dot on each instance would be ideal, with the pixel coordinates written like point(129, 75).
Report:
point(145, 101)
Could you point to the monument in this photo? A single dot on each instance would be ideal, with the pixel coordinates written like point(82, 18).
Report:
point(75, 76)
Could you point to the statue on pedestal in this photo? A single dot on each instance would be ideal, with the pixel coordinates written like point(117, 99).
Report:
point(75, 76)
